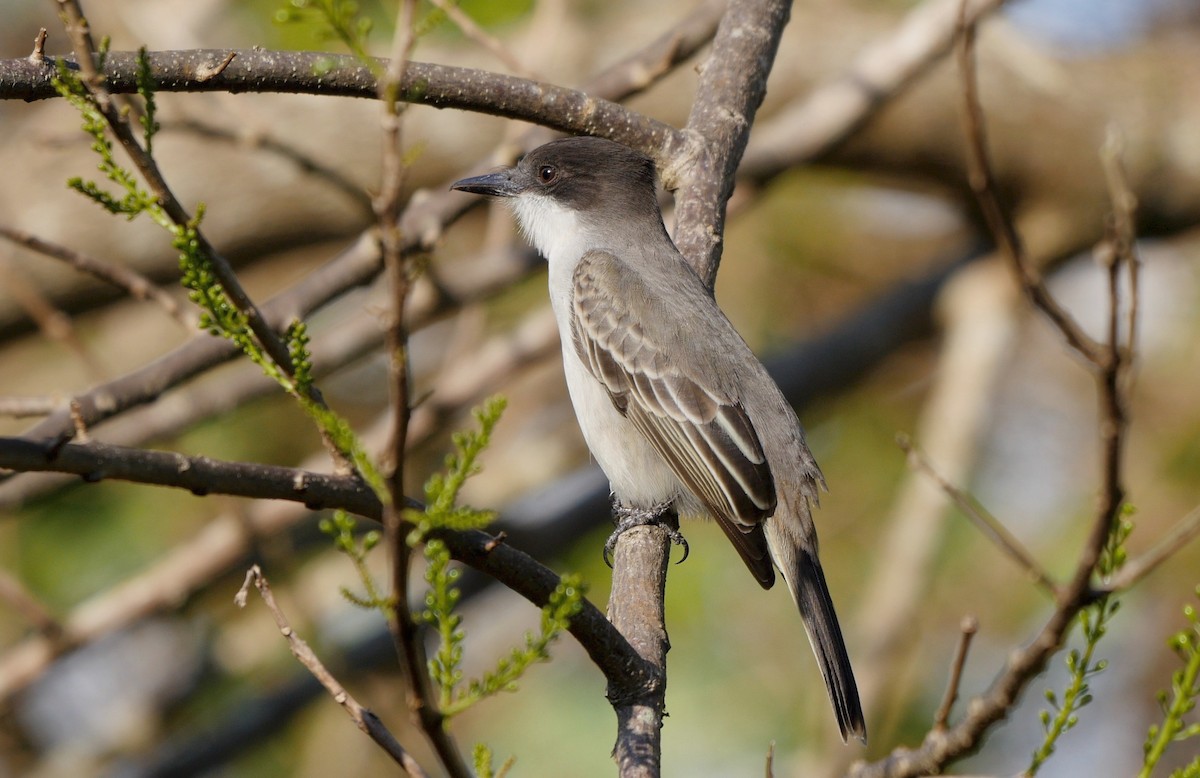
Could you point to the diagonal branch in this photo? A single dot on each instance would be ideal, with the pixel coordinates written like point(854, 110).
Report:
point(988, 524)
point(202, 475)
point(363, 718)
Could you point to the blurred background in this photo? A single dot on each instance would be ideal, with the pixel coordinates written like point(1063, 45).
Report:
point(859, 271)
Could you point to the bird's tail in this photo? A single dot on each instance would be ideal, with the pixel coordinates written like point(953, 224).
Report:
point(796, 558)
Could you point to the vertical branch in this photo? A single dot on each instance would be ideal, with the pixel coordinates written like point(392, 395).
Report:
point(636, 609)
point(389, 206)
point(732, 85)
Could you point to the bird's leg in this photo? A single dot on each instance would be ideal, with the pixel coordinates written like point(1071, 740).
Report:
point(627, 517)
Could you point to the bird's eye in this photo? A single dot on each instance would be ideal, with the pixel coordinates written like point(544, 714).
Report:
point(547, 174)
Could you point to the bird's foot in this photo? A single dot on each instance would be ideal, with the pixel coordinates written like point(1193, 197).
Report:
point(627, 517)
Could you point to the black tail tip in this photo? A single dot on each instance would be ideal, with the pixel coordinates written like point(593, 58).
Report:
point(852, 724)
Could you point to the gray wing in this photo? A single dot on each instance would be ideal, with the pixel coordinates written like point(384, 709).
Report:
point(705, 436)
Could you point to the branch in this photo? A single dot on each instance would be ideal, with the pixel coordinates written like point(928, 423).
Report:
point(986, 523)
point(199, 475)
point(942, 746)
point(202, 475)
point(133, 283)
point(702, 163)
point(364, 719)
point(319, 73)
point(834, 110)
point(967, 629)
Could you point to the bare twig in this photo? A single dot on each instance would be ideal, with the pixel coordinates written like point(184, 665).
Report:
point(53, 323)
point(135, 284)
point(388, 205)
point(31, 609)
point(476, 33)
point(38, 55)
point(1123, 235)
point(988, 524)
point(362, 718)
point(983, 184)
point(1184, 532)
point(18, 407)
point(942, 746)
point(967, 628)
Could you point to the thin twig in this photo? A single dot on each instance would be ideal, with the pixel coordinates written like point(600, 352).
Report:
point(53, 323)
point(117, 120)
point(967, 629)
point(1184, 532)
point(942, 746)
point(362, 718)
point(476, 33)
point(38, 55)
point(31, 609)
point(983, 184)
point(1123, 237)
point(983, 520)
point(389, 206)
point(133, 283)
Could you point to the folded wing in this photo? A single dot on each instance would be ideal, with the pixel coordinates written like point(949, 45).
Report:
point(703, 434)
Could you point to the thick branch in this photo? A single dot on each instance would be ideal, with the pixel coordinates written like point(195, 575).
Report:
point(202, 475)
point(732, 85)
point(307, 72)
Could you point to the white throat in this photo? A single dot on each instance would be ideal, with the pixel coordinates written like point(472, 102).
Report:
point(560, 236)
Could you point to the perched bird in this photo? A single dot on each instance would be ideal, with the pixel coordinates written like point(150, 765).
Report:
point(674, 406)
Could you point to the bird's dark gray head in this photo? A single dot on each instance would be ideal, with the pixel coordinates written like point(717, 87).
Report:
point(582, 174)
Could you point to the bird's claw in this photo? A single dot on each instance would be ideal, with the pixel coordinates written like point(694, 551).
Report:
point(627, 517)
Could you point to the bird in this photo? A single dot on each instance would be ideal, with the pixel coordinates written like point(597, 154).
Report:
point(672, 403)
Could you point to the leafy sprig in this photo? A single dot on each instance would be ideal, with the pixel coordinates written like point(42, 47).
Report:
point(1185, 691)
point(1083, 665)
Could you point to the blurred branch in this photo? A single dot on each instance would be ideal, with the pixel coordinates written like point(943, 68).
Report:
point(18, 407)
point(967, 629)
point(944, 745)
point(133, 283)
point(482, 38)
point(989, 525)
point(834, 110)
point(364, 719)
point(22, 600)
point(1187, 530)
point(55, 325)
point(978, 326)
point(255, 138)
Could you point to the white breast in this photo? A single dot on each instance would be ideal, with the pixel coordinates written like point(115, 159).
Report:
point(637, 474)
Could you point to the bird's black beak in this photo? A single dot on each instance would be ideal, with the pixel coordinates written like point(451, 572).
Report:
point(498, 184)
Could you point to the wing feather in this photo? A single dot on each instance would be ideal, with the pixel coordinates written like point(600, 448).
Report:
point(704, 435)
